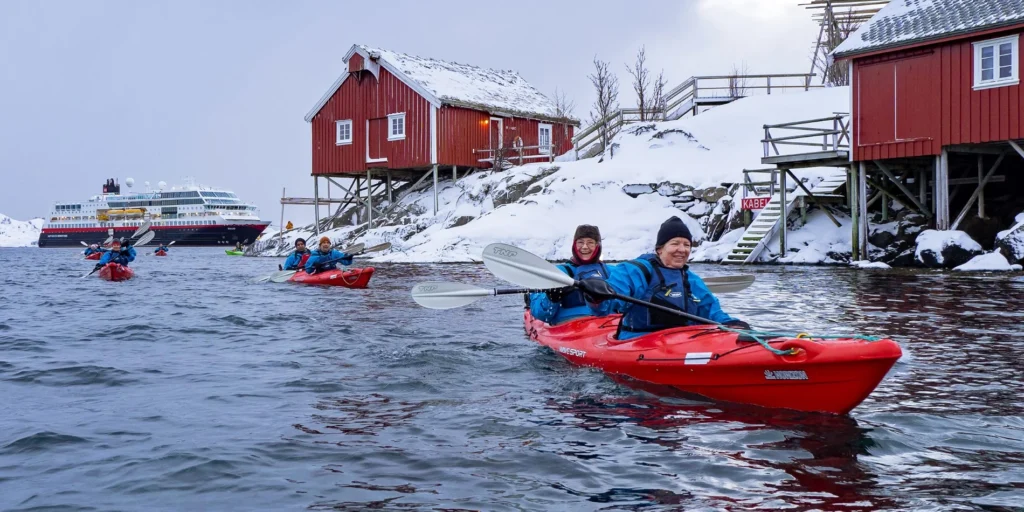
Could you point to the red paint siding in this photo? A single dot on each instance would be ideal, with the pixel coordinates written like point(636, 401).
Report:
point(361, 98)
point(462, 130)
point(355, 63)
point(913, 102)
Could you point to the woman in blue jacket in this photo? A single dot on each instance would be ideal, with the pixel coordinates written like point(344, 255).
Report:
point(325, 258)
point(662, 278)
point(117, 254)
point(563, 304)
point(294, 261)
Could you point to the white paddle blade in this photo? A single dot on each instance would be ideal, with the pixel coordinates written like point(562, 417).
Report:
point(377, 248)
point(108, 240)
point(142, 229)
point(282, 276)
point(523, 268)
point(170, 244)
point(83, 243)
point(147, 238)
point(440, 295)
point(728, 284)
point(353, 249)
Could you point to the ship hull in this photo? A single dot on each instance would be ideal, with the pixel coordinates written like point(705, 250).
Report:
point(194, 236)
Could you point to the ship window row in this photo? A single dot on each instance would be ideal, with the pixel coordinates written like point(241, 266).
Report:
point(63, 207)
point(217, 194)
point(136, 204)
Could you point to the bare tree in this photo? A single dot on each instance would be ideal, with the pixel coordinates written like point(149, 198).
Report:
point(836, 30)
point(564, 107)
point(658, 103)
point(606, 87)
point(738, 82)
point(641, 83)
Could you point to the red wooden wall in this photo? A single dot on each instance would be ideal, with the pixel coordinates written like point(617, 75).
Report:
point(368, 101)
point(912, 102)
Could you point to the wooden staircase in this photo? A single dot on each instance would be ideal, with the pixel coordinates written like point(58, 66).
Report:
point(768, 221)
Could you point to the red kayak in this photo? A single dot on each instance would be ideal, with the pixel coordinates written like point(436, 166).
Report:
point(115, 272)
point(94, 256)
point(820, 375)
point(351, 278)
point(160, 253)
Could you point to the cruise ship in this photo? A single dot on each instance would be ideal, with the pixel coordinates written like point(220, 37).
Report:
point(188, 215)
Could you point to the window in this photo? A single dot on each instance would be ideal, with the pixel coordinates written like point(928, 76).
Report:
point(396, 122)
point(996, 62)
point(343, 132)
point(544, 139)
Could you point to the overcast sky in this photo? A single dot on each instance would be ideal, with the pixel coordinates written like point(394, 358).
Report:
point(217, 90)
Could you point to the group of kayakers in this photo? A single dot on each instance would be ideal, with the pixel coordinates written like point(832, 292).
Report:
point(96, 248)
point(662, 278)
point(324, 257)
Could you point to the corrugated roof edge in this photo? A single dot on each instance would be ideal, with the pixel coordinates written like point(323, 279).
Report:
point(956, 34)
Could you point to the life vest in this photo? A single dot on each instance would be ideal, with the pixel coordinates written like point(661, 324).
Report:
point(575, 298)
point(667, 287)
point(302, 260)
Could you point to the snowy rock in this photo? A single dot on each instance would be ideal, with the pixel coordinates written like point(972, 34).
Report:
point(17, 233)
point(993, 261)
point(711, 194)
point(718, 250)
point(669, 189)
point(948, 249)
point(1011, 242)
point(869, 264)
point(637, 190)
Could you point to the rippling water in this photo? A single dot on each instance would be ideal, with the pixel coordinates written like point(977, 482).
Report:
point(191, 388)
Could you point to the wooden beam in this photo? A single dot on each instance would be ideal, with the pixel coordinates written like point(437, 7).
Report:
point(972, 181)
point(977, 191)
point(878, 186)
point(903, 188)
point(974, 149)
point(1016, 148)
point(815, 199)
point(862, 213)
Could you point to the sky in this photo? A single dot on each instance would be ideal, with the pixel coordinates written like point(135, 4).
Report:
point(163, 90)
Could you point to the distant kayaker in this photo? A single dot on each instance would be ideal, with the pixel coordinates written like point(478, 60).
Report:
point(163, 248)
point(661, 278)
point(297, 259)
point(238, 247)
point(325, 258)
point(122, 255)
point(563, 304)
point(92, 249)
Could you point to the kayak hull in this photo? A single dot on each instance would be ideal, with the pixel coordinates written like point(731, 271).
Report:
point(94, 256)
point(115, 272)
point(160, 253)
point(233, 253)
point(351, 278)
point(830, 375)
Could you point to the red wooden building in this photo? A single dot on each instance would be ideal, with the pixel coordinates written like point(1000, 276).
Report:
point(393, 115)
point(937, 103)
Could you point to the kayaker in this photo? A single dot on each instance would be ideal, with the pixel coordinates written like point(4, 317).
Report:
point(326, 258)
point(122, 255)
point(238, 247)
point(92, 249)
point(661, 278)
point(563, 304)
point(298, 258)
point(163, 247)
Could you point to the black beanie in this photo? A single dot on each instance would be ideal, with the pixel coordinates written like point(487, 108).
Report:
point(297, 240)
point(672, 228)
point(587, 231)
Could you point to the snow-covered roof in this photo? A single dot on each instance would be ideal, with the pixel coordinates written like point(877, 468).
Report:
point(904, 22)
point(451, 83)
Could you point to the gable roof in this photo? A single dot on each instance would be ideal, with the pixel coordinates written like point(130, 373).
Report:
point(502, 92)
point(905, 22)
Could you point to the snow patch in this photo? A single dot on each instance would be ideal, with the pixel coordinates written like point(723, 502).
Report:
point(717, 250)
point(991, 262)
point(937, 241)
point(17, 233)
point(869, 264)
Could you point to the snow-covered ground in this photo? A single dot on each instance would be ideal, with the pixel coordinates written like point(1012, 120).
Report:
point(17, 233)
point(537, 206)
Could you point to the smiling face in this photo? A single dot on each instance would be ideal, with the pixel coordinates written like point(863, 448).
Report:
point(675, 253)
point(300, 246)
point(585, 247)
point(325, 247)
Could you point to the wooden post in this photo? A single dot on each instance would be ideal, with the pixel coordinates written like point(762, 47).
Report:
point(854, 210)
point(316, 204)
point(940, 196)
point(391, 199)
point(435, 189)
point(783, 219)
point(769, 85)
point(885, 206)
point(922, 188)
point(280, 232)
point(981, 186)
point(369, 199)
point(455, 174)
point(862, 211)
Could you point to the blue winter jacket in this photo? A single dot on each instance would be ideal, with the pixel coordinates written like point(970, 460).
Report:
point(124, 256)
point(90, 250)
point(629, 278)
point(318, 258)
point(161, 248)
point(292, 263)
point(574, 305)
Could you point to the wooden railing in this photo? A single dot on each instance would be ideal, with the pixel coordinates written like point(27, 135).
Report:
point(824, 134)
point(688, 96)
point(515, 154)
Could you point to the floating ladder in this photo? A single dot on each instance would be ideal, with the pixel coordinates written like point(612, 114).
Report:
point(767, 223)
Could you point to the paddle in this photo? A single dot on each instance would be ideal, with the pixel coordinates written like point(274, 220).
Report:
point(527, 269)
point(356, 250)
point(441, 295)
point(147, 237)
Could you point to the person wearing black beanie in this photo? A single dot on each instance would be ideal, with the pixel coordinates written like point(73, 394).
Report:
point(661, 278)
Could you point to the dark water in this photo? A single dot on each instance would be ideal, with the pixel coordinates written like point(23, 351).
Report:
point(190, 388)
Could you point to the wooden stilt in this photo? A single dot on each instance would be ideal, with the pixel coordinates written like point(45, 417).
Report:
point(435, 189)
point(854, 212)
point(981, 187)
point(862, 211)
point(316, 204)
point(391, 198)
point(940, 194)
point(369, 199)
point(783, 219)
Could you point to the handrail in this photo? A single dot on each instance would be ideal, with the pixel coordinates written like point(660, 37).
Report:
point(834, 138)
point(688, 91)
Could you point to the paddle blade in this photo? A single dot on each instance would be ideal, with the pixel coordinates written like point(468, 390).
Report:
point(172, 243)
point(83, 243)
point(147, 238)
point(377, 248)
point(440, 295)
point(142, 229)
point(523, 268)
point(108, 240)
point(353, 249)
point(281, 276)
point(728, 284)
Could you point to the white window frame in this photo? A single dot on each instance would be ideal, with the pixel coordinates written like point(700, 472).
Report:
point(391, 120)
point(1014, 78)
point(540, 144)
point(338, 140)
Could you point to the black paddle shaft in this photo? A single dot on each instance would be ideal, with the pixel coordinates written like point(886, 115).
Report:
point(664, 309)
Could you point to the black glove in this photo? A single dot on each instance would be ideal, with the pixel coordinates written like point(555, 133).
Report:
point(738, 324)
point(556, 295)
point(596, 289)
point(279, 267)
point(97, 267)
